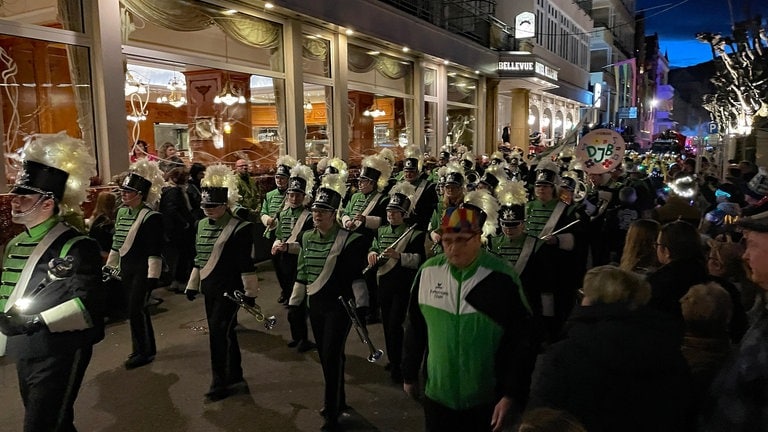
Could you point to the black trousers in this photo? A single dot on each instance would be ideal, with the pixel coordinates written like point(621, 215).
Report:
point(225, 351)
point(297, 318)
point(49, 387)
point(330, 325)
point(285, 265)
point(440, 418)
point(142, 333)
point(393, 300)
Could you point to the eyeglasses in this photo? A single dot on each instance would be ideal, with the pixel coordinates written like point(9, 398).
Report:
point(459, 240)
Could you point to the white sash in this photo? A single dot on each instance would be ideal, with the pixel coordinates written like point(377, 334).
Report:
point(26, 273)
point(371, 204)
point(218, 248)
point(416, 196)
point(131, 236)
point(330, 263)
point(530, 241)
point(390, 264)
point(297, 226)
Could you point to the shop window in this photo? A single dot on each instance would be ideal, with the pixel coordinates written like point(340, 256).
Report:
point(430, 82)
point(461, 89)
point(316, 55)
point(318, 115)
point(378, 122)
point(45, 87)
point(211, 115)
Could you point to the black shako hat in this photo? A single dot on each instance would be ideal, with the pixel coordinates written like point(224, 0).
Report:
point(511, 214)
point(327, 199)
point(214, 195)
point(411, 164)
point(297, 184)
point(399, 201)
point(136, 183)
point(283, 170)
point(370, 174)
point(37, 178)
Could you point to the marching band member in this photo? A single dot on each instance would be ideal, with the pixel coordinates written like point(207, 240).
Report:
point(330, 265)
point(51, 293)
point(545, 215)
point(366, 210)
point(222, 265)
point(136, 251)
point(396, 266)
point(424, 198)
point(272, 205)
point(453, 196)
point(491, 178)
point(292, 222)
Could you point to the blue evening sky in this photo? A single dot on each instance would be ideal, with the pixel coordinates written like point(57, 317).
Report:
point(678, 21)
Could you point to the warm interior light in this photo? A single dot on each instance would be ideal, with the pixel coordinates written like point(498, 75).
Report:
point(229, 95)
point(268, 5)
point(227, 127)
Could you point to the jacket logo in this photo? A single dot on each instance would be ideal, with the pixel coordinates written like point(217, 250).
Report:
point(438, 292)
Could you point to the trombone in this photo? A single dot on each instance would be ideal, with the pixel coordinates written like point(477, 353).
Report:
point(381, 257)
point(255, 310)
point(362, 332)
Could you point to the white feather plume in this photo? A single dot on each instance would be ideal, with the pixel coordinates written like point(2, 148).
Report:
point(305, 173)
point(287, 160)
point(483, 200)
point(379, 164)
point(151, 172)
point(404, 188)
point(511, 193)
point(220, 175)
point(67, 154)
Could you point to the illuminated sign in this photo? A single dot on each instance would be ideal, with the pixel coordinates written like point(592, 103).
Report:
point(525, 25)
point(522, 66)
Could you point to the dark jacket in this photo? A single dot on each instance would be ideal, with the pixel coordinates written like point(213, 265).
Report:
point(617, 370)
point(671, 281)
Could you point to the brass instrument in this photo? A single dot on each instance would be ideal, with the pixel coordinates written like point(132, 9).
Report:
point(380, 258)
point(362, 332)
point(255, 310)
point(109, 273)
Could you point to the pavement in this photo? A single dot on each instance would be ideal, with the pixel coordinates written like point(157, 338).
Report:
point(286, 387)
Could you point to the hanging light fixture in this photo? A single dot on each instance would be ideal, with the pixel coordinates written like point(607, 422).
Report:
point(134, 85)
point(307, 105)
point(229, 95)
point(374, 111)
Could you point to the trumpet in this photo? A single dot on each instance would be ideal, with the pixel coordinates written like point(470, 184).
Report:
point(109, 273)
point(381, 257)
point(362, 332)
point(255, 310)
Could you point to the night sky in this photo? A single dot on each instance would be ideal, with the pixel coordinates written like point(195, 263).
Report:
point(678, 21)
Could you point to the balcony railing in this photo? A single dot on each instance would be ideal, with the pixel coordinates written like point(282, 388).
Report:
point(472, 19)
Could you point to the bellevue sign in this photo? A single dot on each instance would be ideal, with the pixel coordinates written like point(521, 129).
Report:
point(523, 66)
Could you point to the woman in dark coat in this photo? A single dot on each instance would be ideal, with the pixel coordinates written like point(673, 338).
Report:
point(620, 367)
point(681, 254)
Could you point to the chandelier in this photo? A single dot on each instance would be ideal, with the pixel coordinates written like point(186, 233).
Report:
point(229, 95)
point(374, 111)
point(307, 105)
point(178, 89)
point(134, 85)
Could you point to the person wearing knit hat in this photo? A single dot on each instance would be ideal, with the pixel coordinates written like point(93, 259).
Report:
point(136, 253)
point(424, 198)
point(292, 222)
point(330, 266)
point(273, 204)
point(396, 265)
point(51, 295)
point(468, 307)
point(223, 266)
